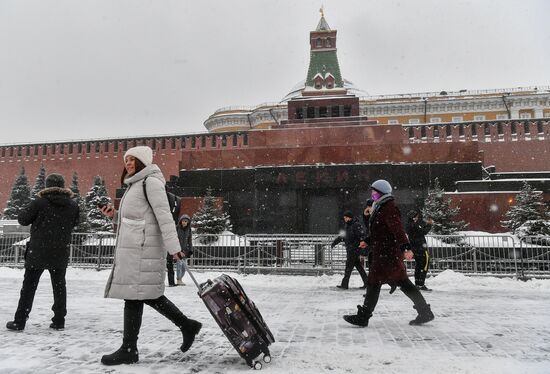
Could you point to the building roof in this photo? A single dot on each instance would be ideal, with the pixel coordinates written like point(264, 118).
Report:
point(322, 25)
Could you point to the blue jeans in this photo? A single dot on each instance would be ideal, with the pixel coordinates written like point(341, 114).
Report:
point(180, 269)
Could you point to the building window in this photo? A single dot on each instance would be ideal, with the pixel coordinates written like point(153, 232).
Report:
point(106, 146)
point(96, 147)
point(125, 145)
point(487, 130)
point(347, 110)
point(526, 127)
point(540, 129)
point(460, 130)
point(203, 141)
point(154, 144)
point(19, 151)
point(11, 151)
point(245, 139)
point(62, 148)
point(299, 113)
point(502, 116)
point(435, 120)
point(193, 142)
point(479, 118)
point(70, 148)
point(514, 129)
point(499, 128)
point(457, 119)
point(329, 43)
point(310, 112)
point(163, 143)
point(88, 147)
point(393, 122)
point(436, 131)
point(3, 152)
point(449, 130)
point(474, 129)
point(79, 148)
point(27, 151)
point(525, 115)
point(173, 143)
point(323, 111)
point(422, 131)
point(235, 140)
point(224, 141)
point(319, 43)
point(411, 132)
point(182, 142)
point(546, 115)
point(214, 142)
point(318, 85)
point(35, 150)
point(115, 146)
point(414, 121)
point(335, 111)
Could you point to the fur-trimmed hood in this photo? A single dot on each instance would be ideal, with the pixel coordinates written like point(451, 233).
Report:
point(56, 195)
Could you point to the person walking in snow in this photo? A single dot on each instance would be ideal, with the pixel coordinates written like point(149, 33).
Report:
point(389, 246)
point(53, 215)
point(145, 232)
point(417, 229)
point(354, 239)
point(186, 245)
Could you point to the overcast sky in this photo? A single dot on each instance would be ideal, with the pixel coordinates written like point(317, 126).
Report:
point(90, 69)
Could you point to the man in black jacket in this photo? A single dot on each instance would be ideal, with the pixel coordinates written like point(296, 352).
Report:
point(417, 229)
point(354, 239)
point(53, 214)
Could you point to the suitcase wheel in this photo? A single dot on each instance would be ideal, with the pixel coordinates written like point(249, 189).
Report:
point(257, 365)
point(267, 359)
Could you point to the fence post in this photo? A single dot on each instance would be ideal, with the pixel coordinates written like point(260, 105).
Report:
point(522, 271)
point(475, 260)
point(16, 254)
point(100, 237)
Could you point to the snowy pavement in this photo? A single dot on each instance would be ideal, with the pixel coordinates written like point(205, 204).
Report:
point(482, 325)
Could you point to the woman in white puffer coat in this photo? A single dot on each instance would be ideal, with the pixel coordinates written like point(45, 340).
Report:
point(145, 232)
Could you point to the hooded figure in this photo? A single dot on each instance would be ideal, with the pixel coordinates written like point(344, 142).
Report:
point(53, 215)
point(417, 229)
point(186, 244)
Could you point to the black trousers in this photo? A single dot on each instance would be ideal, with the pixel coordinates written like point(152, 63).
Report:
point(133, 313)
point(406, 286)
point(26, 298)
point(353, 261)
point(422, 263)
point(170, 269)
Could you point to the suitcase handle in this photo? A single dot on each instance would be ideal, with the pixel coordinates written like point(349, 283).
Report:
point(191, 274)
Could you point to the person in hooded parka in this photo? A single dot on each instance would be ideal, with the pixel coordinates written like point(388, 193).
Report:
point(53, 214)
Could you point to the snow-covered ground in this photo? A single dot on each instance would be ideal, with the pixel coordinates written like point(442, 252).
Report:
point(482, 325)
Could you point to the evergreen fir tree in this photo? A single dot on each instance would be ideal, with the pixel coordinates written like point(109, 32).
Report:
point(97, 196)
point(74, 185)
point(40, 182)
point(83, 224)
point(437, 207)
point(529, 216)
point(20, 196)
point(210, 220)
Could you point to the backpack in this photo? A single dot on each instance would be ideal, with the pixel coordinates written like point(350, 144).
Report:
point(174, 202)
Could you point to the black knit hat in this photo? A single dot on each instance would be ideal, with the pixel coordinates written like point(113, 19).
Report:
point(348, 213)
point(55, 180)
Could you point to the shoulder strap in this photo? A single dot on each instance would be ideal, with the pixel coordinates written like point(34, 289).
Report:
point(145, 190)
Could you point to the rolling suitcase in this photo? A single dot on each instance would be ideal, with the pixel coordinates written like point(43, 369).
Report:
point(237, 316)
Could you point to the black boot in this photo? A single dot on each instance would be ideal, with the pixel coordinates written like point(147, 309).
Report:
point(189, 331)
point(128, 352)
point(359, 319)
point(57, 325)
point(15, 326)
point(189, 328)
point(424, 315)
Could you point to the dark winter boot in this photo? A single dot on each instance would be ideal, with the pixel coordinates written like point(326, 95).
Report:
point(359, 319)
point(189, 328)
point(15, 326)
point(57, 325)
point(126, 354)
point(189, 331)
point(424, 315)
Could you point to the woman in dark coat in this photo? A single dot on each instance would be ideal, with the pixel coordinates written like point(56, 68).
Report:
point(53, 215)
point(389, 246)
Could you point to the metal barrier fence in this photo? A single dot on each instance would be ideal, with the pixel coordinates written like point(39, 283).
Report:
point(496, 255)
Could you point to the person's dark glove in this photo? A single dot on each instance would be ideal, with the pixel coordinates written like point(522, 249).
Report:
point(405, 247)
